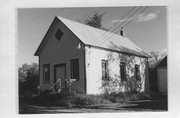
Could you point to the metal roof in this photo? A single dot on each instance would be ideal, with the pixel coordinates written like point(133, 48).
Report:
point(89, 36)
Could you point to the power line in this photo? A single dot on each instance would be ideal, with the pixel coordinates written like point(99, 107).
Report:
point(125, 15)
point(43, 19)
point(119, 25)
point(30, 21)
point(135, 17)
point(38, 19)
point(117, 22)
point(126, 24)
point(67, 15)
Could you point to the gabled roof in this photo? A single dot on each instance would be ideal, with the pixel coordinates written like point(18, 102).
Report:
point(162, 62)
point(97, 37)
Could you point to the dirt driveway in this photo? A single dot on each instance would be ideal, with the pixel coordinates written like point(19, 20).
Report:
point(141, 105)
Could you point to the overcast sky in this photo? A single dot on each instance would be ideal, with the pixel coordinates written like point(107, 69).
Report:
point(148, 30)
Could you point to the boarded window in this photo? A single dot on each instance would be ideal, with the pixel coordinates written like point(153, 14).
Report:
point(105, 74)
point(59, 34)
point(123, 71)
point(75, 69)
point(46, 73)
point(137, 73)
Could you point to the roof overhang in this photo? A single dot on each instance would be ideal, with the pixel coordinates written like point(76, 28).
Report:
point(145, 55)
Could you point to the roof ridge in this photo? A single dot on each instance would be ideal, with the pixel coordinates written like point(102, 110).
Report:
point(89, 35)
point(92, 27)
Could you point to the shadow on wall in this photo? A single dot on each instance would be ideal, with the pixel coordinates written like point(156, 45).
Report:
point(130, 84)
point(124, 49)
point(114, 85)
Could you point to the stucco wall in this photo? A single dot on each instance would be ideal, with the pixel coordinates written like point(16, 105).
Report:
point(61, 51)
point(94, 71)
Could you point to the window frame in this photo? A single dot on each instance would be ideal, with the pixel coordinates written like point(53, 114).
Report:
point(137, 68)
point(59, 33)
point(45, 80)
point(123, 71)
point(75, 74)
point(106, 76)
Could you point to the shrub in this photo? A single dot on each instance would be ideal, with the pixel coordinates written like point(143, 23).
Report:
point(70, 100)
point(28, 80)
point(139, 96)
point(81, 100)
point(126, 97)
point(116, 97)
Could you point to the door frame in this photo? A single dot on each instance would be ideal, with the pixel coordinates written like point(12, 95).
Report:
point(59, 65)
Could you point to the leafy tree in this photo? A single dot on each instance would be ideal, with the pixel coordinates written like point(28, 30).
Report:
point(28, 79)
point(156, 57)
point(95, 21)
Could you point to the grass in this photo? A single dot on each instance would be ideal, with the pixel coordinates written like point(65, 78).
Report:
point(66, 100)
point(82, 100)
point(126, 97)
point(71, 100)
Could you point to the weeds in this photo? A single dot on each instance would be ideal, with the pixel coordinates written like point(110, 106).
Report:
point(71, 100)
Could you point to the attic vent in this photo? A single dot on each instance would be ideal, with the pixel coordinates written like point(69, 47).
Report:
point(59, 34)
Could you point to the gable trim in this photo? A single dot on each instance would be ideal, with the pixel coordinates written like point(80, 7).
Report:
point(42, 42)
point(70, 31)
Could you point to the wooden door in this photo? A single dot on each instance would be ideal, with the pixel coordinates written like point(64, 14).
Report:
point(60, 73)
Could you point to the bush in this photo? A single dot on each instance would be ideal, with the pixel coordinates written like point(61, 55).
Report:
point(28, 79)
point(139, 96)
point(67, 100)
point(70, 100)
point(81, 100)
point(126, 97)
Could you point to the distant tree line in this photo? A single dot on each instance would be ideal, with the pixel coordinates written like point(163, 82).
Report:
point(156, 57)
point(28, 79)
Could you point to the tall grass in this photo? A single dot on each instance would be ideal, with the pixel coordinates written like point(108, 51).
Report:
point(69, 100)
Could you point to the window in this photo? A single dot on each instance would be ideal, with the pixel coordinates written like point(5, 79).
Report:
point(137, 73)
point(46, 73)
point(59, 34)
point(123, 71)
point(105, 73)
point(75, 69)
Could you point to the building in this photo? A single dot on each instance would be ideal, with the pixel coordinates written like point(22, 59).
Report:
point(97, 64)
point(159, 76)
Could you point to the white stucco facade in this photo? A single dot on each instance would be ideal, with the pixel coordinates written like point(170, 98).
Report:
point(94, 56)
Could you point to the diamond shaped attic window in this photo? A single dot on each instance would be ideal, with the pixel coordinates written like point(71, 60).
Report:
point(59, 34)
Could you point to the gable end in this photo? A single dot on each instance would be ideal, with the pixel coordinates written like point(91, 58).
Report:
point(43, 41)
point(56, 19)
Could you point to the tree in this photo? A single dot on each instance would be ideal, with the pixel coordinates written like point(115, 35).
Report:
point(156, 57)
point(28, 79)
point(95, 21)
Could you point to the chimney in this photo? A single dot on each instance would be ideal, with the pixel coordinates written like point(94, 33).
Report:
point(122, 32)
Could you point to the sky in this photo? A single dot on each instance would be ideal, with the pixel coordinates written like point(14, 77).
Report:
point(148, 30)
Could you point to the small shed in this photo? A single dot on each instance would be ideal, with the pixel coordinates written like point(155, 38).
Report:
point(162, 75)
point(159, 77)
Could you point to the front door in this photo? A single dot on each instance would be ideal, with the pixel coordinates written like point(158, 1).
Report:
point(60, 75)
